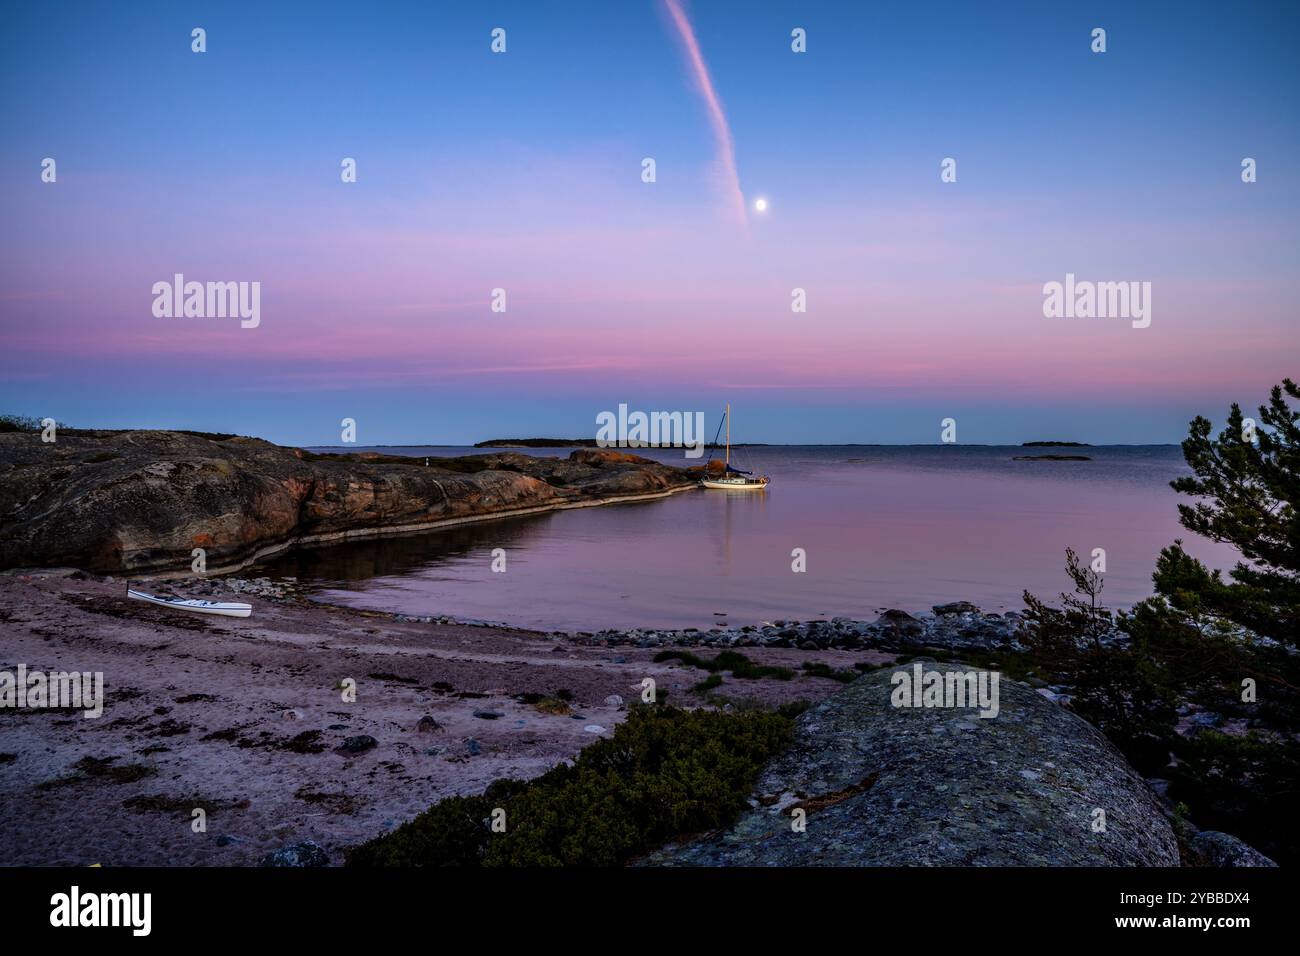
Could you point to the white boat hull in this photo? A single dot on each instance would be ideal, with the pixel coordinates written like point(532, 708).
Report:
point(224, 608)
point(734, 485)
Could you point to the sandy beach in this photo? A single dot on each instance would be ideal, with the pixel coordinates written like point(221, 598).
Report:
point(246, 719)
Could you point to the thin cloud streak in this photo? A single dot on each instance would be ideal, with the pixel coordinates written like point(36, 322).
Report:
point(721, 129)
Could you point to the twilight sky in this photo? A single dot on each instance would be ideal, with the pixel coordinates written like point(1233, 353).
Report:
point(522, 171)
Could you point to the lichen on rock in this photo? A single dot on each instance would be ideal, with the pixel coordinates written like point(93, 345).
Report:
point(880, 785)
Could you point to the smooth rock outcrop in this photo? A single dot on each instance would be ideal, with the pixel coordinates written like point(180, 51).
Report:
point(882, 786)
point(140, 501)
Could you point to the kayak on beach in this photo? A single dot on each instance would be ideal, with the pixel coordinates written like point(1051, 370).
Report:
point(228, 608)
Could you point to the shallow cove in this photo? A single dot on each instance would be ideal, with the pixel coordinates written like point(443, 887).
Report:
point(898, 526)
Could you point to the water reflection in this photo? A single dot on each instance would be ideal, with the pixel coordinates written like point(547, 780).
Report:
point(353, 561)
point(898, 527)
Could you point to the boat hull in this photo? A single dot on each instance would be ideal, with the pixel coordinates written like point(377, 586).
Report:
point(223, 608)
point(733, 485)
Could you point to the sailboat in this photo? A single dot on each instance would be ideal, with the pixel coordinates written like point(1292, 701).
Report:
point(732, 479)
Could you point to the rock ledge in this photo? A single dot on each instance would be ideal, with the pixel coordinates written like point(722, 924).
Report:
point(889, 786)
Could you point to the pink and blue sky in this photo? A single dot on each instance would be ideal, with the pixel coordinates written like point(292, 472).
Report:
point(523, 171)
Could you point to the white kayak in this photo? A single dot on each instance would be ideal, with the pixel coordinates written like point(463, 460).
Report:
point(228, 608)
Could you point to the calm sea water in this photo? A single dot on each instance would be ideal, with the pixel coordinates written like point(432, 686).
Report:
point(882, 526)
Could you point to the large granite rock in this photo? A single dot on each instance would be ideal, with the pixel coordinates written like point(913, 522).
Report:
point(883, 786)
point(142, 500)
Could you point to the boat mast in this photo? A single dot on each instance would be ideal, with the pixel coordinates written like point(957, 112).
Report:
point(728, 434)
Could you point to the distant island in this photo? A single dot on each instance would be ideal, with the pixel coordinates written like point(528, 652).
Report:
point(1055, 444)
point(1051, 458)
point(584, 443)
point(536, 443)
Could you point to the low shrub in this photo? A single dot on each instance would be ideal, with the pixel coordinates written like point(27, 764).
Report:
point(733, 662)
point(665, 772)
point(822, 669)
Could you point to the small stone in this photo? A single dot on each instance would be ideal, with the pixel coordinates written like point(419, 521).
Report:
point(428, 725)
point(486, 714)
point(594, 729)
point(302, 854)
point(614, 700)
point(473, 747)
point(956, 607)
point(357, 745)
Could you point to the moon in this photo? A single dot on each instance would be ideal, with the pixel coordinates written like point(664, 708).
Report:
point(760, 204)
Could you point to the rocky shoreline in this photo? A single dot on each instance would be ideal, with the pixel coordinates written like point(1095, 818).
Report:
point(952, 627)
point(960, 626)
point(143, 502)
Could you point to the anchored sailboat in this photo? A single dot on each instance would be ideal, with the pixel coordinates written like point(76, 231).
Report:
point(732, 479)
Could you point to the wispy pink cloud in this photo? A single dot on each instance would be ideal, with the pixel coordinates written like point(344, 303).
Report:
point(718, 118)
